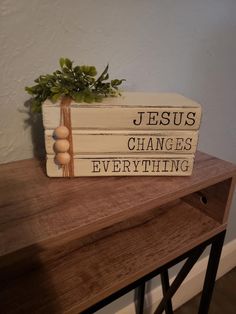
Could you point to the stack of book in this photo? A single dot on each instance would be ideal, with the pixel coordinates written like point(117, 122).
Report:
point(136, 134)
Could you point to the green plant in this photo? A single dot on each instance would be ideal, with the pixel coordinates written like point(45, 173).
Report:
point(77, 82)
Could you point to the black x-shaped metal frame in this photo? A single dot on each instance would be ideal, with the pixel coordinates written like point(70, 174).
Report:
point(192, 256)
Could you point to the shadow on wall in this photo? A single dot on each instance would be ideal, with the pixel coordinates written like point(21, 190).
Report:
point(34, 121)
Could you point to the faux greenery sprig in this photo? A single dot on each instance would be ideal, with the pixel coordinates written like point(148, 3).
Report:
point(77, 82)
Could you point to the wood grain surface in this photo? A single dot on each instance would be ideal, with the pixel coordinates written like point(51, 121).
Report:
point(213, 200)
point(67, 243)
point(43, 208)
point(87, 275)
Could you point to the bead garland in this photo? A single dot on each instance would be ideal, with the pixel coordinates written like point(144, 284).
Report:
point(63, 145)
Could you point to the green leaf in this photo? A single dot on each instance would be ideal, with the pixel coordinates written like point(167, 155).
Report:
point(85, 69)
point(106, 77)
point(36, 109)
point(36, 106)
point(77, 82)
point(68, 63)
point(79, 97)
point(66, 70)
point(92, 71)
point(55, 97)
point(89, 98)
point(89, 79)
point(62, 62)
point(77, 69)
point(116, 82)
point(55, 89)
point(57, 72)
point(101, 77)
point(29, 90)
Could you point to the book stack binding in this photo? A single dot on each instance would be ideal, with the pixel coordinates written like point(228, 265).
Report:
point(136, 134)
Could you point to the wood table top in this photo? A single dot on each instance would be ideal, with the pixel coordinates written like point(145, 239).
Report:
point(36, 209)
point(66, 244)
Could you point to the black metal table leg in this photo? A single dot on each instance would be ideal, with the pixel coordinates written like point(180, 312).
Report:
point(192, 255)
point(179, 278)
point(211, 272)
point(140, 298)
point(165, 286)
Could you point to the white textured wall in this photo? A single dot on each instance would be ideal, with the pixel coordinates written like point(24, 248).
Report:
point(184, 46)
point(181, 46)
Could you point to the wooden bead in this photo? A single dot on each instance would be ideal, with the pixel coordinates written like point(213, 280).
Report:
point(61, 132)
point(61, 146)
point(62, 158)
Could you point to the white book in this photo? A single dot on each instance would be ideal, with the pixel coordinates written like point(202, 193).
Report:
point(128, 142)
point(127, 165)
point(131, 111)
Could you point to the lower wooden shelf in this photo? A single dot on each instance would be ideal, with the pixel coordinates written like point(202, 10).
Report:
point(108, 260)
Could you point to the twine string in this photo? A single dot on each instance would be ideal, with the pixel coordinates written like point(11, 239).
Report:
point(65, 119)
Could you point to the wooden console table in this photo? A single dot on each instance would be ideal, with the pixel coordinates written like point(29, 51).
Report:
point(73, 245)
